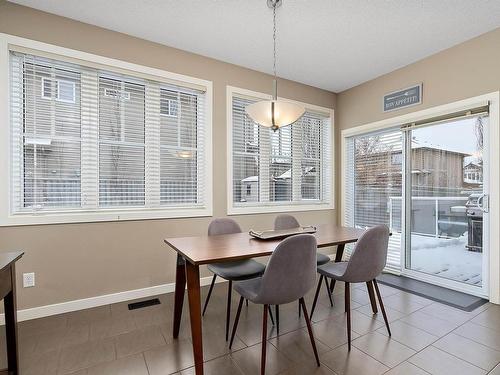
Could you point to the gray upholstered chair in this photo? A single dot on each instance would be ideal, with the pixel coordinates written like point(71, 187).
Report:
point(366, 262)
point(287, 221)
point(289, 275)
point(230, 271)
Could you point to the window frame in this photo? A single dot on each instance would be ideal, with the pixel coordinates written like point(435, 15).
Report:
point(268, 207)
point(8, 217)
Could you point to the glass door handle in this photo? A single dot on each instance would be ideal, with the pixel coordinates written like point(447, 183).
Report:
point(483, 202)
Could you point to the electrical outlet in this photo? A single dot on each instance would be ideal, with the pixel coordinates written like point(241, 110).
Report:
point(28, 279)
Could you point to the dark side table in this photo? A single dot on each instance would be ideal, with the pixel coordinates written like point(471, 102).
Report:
point(8, 293)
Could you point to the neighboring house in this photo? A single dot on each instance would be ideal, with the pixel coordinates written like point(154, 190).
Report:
point(436, 172)
point(473, 173)
point(280, 186)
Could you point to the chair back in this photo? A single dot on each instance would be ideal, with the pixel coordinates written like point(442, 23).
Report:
point(369, 255)
point(223, 226)
point(290, 272)
point(285, 221)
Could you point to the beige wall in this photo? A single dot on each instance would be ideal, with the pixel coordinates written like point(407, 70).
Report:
point(83, 260)
point(466, 70)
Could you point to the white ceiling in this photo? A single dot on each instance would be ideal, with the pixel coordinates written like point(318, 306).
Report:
point(331, 44)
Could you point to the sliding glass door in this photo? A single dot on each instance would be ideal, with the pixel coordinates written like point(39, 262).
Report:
point(428, 182)
point(446, 202)
point(374, 173)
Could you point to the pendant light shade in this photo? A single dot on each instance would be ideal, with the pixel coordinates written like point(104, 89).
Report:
point(274, 113)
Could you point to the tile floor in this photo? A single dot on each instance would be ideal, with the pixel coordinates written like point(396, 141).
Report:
point(427, 338)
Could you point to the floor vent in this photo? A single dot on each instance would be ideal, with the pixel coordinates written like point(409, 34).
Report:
point(141, 304)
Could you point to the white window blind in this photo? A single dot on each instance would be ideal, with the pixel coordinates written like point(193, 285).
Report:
point(373, 186)
point(289, 167)
point(85, 139)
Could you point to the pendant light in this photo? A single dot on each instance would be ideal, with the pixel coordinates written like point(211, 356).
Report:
point(274, 113)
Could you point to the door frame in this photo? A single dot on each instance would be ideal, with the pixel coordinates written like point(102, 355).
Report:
point(492, 271)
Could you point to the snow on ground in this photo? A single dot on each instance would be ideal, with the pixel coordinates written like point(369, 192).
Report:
point(446, 257)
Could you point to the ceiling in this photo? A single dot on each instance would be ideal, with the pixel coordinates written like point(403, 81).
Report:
point(331, 44)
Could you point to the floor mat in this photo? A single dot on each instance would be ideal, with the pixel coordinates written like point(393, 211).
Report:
point(459, 300)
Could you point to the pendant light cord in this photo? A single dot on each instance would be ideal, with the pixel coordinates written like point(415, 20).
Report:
point(274, 40)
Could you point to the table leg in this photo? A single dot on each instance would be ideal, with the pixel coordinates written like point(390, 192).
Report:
point(180, 285)
point(193, 283)
point(10, 307)
point(338, 258)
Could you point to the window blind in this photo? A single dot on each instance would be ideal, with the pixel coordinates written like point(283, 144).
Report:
point(373, 186)
point(90, 139)
point(291, 166)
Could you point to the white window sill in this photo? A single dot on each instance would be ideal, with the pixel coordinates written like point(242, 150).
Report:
point(263, 208)
point(113, 214)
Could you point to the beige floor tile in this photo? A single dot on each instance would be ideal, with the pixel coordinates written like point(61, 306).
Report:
point(392, 314)
point(480, 334)
point(413, 337)
point(322, 312)
point(138, 341)
point(248, 360)
point(383, 349)
point(495, 371)
point(406, 368)
point(88, 316)
point(470, 351)
point(437, 362)
point(404, 302)
point(133, 365)
point(309, 369)
point(42, 325)
point(39, 363)
point(112, 326)
point(332, 333)
point(297, 347)
point(489, 318)
point(354, 362)
point(447, 313)
point(220, 366)
point(170, 358)
point(250, 331)
point(215, 344)
point(429, 323)
point(360, 323)
point(85, 355)
point(63, 337)
point(360, 296)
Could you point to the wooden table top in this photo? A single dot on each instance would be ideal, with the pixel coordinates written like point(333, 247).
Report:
point(7, 259)
point(211, 249)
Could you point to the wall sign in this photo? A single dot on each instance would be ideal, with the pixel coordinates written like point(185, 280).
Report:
point(403, 98)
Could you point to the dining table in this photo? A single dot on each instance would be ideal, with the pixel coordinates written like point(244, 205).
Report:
point(193, 252)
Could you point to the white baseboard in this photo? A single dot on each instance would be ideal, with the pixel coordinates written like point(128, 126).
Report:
point(87, 303)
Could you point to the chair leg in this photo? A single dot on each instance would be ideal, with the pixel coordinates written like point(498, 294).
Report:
point(271, 314)
point(300, 311)
point(332, 285)
point(381, 306)
point(348, 310)
point(246, 302)
point(328, 292)
point(228, 312)
point(264, 341)
point(309, 329)
point(208, 295)
point(236, 320)
point(277, 308)
point(316, 295)
point(371, 293)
